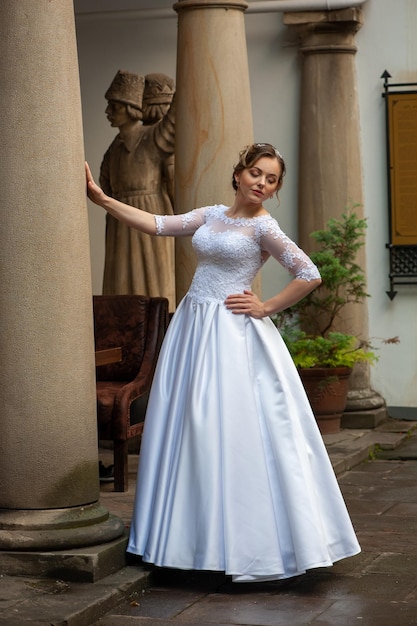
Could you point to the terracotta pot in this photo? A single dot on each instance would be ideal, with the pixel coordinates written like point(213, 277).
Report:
point(327, 389)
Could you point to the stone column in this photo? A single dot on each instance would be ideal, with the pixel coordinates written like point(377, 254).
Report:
point(49, 486)
point(214, 114)
point(330, 165)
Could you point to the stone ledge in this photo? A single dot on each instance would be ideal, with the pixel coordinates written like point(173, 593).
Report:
point(364, 419)
point(350, 447)
point(80, 565)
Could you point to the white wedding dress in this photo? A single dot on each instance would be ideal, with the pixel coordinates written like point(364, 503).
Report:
point(233, 473)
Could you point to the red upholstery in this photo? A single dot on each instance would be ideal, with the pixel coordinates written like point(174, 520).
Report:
point(137, 324)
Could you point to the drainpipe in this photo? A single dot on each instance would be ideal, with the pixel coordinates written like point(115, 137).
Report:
point(268, 6)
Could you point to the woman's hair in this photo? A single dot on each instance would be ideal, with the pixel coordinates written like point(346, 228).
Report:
point(251, 154)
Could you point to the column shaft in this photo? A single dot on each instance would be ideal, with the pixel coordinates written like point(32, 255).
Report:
point(330, 164)
point(48, 440)
point(214, 114)
point(330, 172)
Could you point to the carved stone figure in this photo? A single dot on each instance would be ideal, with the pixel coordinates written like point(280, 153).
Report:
point(157, 97)
point(133, 171)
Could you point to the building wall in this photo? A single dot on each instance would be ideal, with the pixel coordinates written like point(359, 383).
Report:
point(387, 40)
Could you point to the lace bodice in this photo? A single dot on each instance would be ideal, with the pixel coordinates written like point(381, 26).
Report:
point(230, 252)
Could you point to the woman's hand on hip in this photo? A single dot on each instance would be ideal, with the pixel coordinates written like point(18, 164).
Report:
point(246, 303)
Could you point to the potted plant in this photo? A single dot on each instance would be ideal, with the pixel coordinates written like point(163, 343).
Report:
point(323, 355)
point(325, 365)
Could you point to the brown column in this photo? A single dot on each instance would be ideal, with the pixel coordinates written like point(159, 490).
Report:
point(330, 165)
point(49, 486)
point(214, 114)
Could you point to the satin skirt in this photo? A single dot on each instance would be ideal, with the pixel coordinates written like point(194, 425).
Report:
point(233, 473)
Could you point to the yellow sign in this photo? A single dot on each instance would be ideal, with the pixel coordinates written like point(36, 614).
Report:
point(402, 128)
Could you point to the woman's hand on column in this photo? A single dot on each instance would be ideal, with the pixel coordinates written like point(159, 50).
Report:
point(94, 192)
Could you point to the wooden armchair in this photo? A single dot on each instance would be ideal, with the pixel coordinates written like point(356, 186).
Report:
point(137, 324)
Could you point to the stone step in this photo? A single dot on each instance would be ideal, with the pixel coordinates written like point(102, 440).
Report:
point(49, 602)
point(350, 447)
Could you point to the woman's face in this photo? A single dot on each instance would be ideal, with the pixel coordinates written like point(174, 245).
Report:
point(259, 182)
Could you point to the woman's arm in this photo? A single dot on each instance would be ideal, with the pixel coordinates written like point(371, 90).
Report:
point(287, 253)
point(132, 217)
point(248, 303)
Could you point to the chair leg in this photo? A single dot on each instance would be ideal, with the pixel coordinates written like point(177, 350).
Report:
point(121, 478)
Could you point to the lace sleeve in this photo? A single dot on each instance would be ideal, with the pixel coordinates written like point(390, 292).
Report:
point(274, 241)
point(181, 224)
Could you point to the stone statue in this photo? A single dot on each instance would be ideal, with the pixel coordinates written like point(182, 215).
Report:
point(157, 97)
point(134, 171)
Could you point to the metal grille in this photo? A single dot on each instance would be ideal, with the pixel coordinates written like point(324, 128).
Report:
point(403, 267)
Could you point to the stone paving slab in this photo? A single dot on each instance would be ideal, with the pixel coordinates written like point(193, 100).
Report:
point(407, 451)
point(350, 447)
point(40, 602)
point(320, 597)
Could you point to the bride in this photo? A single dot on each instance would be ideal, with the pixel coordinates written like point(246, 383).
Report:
point(233, 473)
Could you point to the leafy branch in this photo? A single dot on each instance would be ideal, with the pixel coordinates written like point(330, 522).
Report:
point(343, 279)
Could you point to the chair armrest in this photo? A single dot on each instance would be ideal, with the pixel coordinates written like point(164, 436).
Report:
point(140, 385)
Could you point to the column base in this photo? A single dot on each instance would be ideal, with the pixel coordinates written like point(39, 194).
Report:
point(57, 529)
point(363, 398)
point(78, 565)
point(366, 418)
point(365, 408)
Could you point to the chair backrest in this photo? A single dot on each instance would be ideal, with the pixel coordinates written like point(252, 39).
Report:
point(123, 321)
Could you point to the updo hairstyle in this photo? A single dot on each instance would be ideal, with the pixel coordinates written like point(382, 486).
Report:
point(250, 155)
